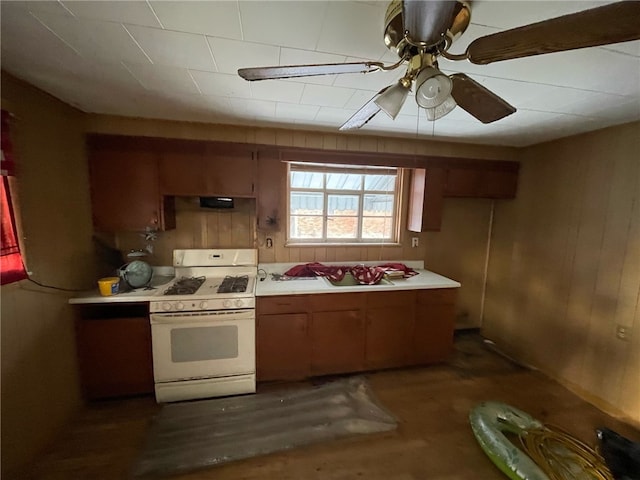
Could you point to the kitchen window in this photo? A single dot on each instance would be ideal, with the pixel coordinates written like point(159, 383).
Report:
point(342, 204)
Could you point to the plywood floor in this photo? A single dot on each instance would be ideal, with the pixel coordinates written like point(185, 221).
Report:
point(433, 440)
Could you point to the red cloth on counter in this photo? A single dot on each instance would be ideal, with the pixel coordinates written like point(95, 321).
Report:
point(408, 272)
point(364, 274)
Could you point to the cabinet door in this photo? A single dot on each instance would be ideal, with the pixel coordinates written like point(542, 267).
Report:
point(337, 342)
point(272, 174)
point(389, 341)
point(124, 190)
point(498, 184)
point(181, 168)
point(115, 357)
point(426, 199)
point(282, 347)
point(434, 325)
point(230, 171)
point(433, 333)
point(462, 182)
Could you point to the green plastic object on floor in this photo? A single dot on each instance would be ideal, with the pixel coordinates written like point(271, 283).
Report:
point(489, 421)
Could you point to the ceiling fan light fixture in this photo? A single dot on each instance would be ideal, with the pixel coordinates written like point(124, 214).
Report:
point(432, 87)
point(441, 110)
point(391, 101)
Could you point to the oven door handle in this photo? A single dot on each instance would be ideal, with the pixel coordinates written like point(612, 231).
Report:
point(202, 317)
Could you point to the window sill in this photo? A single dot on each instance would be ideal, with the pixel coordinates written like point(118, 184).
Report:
point(327, 244)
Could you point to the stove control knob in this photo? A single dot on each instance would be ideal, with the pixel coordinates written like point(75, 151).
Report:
point(238, 303)
point(180, 306)
point(166, 306)
point(226, 303)
point(203, 305)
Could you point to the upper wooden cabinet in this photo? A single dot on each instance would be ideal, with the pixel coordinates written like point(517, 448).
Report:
point(272, 175)
point(482, 183)
point(188, 167)
point(425, 199)
point(124, 187)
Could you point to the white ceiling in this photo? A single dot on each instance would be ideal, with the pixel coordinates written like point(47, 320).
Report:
point(178, 60)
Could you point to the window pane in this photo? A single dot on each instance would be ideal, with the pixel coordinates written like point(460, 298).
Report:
point(376, 227)
point(343, 205)
point(306, 179)
point(377, 205)
point(342, 227)
point(384, 183)
point(305, 227)
point(306, 203)
point(344, 181)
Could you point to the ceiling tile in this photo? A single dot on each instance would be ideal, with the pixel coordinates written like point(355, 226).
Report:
point(277, 91)
point(49, 7)
point(131, 12)
point(175, 49)
point(24, 36)
point(230, 55)
point(220, 18)
point(95, 39)
point(353, 29)
point(630, 48)
point(334, 116)
point(253, 108)
point(290, 111)
point(221, 84)
point(163, 78)
point(324, 96)
point(291, 24)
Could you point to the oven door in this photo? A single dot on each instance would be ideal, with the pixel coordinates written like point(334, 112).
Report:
point(196, 345)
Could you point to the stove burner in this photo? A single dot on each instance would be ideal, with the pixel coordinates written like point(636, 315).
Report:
point(185, 286)
point(234, 284)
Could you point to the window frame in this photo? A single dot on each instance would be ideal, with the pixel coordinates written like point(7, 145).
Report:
point(393, 239)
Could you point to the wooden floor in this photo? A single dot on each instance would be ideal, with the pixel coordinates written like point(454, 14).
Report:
point(433, 440)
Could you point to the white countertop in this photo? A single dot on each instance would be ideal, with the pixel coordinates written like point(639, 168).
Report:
point(424, 280)
point(161, 277)
point(268, 287)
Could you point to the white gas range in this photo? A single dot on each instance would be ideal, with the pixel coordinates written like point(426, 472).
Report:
point(203, 326)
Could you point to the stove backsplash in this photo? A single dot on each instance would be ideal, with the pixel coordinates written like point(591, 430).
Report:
point(197, 227)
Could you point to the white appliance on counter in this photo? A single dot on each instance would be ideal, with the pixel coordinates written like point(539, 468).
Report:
point(203, 326)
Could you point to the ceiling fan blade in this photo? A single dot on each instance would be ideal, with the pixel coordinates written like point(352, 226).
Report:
point(366, 113)
point(292, 71)
point(612, 23)
point(426, 21)
point(479, 101)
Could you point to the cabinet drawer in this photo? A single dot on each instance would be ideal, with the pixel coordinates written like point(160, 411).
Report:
point(438, 295)
point(283, 304)
point(391, 299)
point(334, 302)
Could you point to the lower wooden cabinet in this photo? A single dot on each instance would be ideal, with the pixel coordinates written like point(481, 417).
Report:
point(308, 335)
point(282, 346)
point(337, 342)
point(115, 356)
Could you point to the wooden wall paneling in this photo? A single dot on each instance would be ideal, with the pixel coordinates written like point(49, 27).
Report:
point(605, 358)
point(585, 267)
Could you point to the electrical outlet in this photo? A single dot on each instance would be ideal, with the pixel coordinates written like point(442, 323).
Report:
point(415, 241)
point(269, 242)
point(623, 333)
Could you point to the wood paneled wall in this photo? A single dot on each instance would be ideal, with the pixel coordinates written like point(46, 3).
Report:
point(40, 386)
point(565, 266)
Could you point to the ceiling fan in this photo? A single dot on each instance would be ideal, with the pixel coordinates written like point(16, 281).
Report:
point(419, 31)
